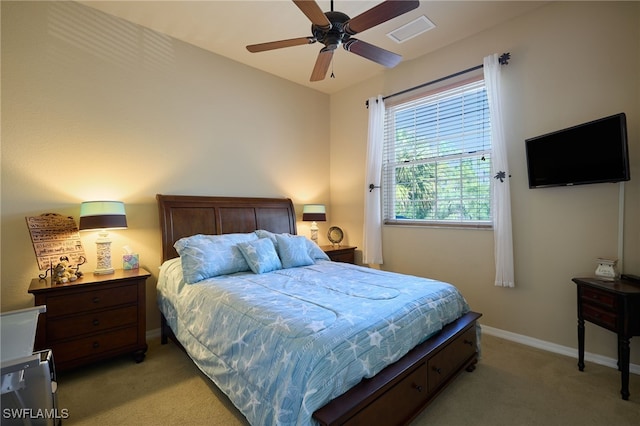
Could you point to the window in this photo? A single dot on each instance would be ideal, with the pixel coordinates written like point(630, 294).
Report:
point(436, 163)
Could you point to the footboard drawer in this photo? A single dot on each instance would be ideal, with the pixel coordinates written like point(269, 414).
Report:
point(406, 398)
point(448, 361)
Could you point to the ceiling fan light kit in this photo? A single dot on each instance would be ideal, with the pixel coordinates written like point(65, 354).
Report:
point(334, 28)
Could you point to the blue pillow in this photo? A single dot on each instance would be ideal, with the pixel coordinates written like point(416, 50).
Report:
point(261, 233)
point(260, 255)
point(206, 256)
point(293, 251)
point(313, 250)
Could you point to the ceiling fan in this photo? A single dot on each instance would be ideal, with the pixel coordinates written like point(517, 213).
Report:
point(334, 28)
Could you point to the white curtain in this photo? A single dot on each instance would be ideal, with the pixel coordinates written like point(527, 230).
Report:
point(372, 235)
point(501, 198)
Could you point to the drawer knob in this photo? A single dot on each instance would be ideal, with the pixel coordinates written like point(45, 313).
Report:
point(468, 342)
point(418, 387)
point(96, 322)
point(437, 370)
point(96, 299)
point(96, 345)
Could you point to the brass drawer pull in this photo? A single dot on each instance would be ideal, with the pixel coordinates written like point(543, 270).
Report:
point(437, 370)
point(418, 387)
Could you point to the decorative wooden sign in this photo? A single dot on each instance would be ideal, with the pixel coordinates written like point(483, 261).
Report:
point(55, 236)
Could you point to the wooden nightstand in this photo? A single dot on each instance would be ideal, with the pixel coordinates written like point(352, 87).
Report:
point(346, 254)
point(92, 318)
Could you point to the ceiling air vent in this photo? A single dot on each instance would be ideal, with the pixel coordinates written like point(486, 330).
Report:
point(411, 29)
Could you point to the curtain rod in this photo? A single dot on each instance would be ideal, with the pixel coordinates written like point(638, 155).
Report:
point(503, 60)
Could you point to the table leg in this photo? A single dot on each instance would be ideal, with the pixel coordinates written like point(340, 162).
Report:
point(620, 353)
point(623, 364)
point(580, 344)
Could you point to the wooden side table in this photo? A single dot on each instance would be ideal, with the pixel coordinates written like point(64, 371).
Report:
point(92, 318)
point(614, 305)
point(346, 254)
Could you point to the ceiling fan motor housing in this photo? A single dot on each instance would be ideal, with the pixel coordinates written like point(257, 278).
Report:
point(336, 34)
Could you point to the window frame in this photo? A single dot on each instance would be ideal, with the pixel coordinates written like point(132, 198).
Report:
point(420, 99)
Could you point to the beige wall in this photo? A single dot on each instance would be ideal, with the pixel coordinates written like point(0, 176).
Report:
point(95, 108)
point(571, 62)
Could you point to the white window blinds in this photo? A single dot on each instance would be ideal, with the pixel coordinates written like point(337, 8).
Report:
point(436, 163)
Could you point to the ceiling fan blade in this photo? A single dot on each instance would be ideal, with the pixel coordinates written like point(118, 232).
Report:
point(379, 14)
point(261, 47)
point(311, 9)
point(322, 64)
point(373, 53)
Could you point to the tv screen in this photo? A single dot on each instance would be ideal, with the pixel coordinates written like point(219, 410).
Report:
point(592, 152)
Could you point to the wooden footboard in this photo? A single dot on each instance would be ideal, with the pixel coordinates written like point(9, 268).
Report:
point(401, 391)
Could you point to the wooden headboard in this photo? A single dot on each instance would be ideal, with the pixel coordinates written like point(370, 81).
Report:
point(186, 215)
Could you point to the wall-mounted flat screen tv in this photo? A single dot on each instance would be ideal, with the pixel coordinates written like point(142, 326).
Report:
point(592, 152)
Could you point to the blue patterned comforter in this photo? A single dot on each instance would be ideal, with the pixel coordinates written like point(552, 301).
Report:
point(283, 344)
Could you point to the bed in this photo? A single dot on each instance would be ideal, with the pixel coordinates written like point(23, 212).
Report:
point(303, 342)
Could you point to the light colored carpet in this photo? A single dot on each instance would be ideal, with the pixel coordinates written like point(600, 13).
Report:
point(513, 385)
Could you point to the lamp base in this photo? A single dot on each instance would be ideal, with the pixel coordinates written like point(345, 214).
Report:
point(103, 266)
point(314, 232)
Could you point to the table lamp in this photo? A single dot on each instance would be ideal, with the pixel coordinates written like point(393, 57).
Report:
point(102, 215)
point(314, 213)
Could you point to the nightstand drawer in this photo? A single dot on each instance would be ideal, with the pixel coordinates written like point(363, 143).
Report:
point(95, 345)
point(599, 297)
point(600, 317)
point(90, 300)
point(70, 327)
point(343, 257)
point(345, 254)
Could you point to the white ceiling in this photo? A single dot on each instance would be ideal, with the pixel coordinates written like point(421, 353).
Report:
point(226, 27)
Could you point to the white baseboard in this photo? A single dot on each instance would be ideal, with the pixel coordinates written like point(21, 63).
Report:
point(555, 348)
